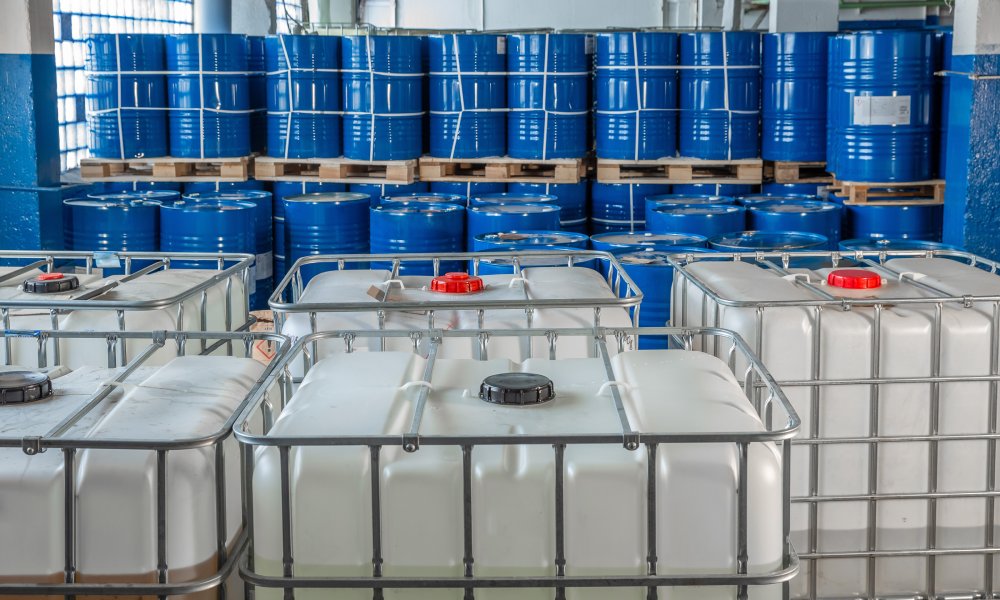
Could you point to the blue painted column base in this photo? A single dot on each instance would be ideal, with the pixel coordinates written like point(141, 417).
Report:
point(29, 128)
point(972, 194)
point(31, 218)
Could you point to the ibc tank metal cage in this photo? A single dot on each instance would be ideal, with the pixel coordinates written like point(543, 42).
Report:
point(70, 446)
point(763, 395)
point(933, 549)
point(134, 266)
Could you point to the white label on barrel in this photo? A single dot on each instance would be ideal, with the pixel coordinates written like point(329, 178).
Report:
point(265, 265)
point(501, 44)
point(881, 110)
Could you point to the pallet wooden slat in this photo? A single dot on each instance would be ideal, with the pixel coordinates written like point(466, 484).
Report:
point(797, 172)
point(882, 193)
point(166, 169)
point(681, 170)
point(502, 169)
point(336, 170)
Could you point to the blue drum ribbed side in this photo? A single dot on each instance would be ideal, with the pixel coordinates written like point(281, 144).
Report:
point(653, 202)
point(793, 115)
point(635, 95)
point(767, 241)
point(282, 190)
point(424, 198)
point(879, 107)
point(707, 220)
point(375, 191)
point(492, 218)
point(621, 206)
point(263, 268)
point(468, 95)
point(429, 228)
point(887, 245)
point(547, 79)
point(571, 198)
point(210, 226)
point(223, 86)
point(917, 222)
point(116, 187)
point(529, 240)
point(804, 189)
point(303, 96)
point(325, 223)
point(113, 223)
point(618, 243)
point(467, 188)
point(258, 93)
point(947, 39)
point(200, 187)
point(513, 198)
point(713, 189)
point(390, 70)
point(716, 123)
point(808, 216)
point(128, 132)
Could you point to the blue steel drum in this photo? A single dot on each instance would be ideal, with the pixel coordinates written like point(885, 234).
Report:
point(258, 93)
point(651, 272)
point(714, 189)
point(303, 96)
point(428, 228)
point(513, 198)
point(571, 198)
point(529, 240)
point(547, 79)
point(325, 223)
point(208, 92)
point(914, 221)
point(414, 198)
point(263, 268)
point(389, 71)
point(793, 114)
point(888, 245)
point(682, 200)
point(114, 223)
point(282, 190)
point(635, 115)
point(752, 199)
point(617, 243)
point(946, 39)
point(115, 187)
point(491, 218)
point(621, 206)
point(767, 241)
point(468, 95)
point(117, 124)
point(879, 107)
point(504, 265)
point(467, 188)
point(706, 220)
point(719, 95)
point(220, 226)
point(780, 189)
point(808, 216)
point(199, 187)
point(375, 191)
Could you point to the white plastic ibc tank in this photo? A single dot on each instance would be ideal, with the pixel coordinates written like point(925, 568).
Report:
point(513, 486)
point(41, 289)
point(798, 344)
point(376, 290)
point(116, 489)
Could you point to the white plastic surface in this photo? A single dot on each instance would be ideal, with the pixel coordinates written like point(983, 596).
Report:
point(907, 348)
point(513, 486)
point(116, 489)
point(184, 316)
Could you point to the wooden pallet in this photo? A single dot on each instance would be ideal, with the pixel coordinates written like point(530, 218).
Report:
point(912, 192)
point(681, 170)
point(166, 169)
point(503, 169)
point(342, 170)
point(797, 172)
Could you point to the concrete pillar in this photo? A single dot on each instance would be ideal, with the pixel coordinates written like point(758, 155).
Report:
point(213, 16)
point(254, 17)
point(30, 197)
point(792, 16)
point(972, 195)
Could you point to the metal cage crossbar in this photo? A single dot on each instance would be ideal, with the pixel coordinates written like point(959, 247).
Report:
point(56, 439)
point(922, 295)
point(780, 425)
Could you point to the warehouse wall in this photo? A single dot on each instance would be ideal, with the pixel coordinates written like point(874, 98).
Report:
point(513, 14)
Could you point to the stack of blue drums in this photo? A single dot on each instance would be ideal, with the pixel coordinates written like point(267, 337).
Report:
point(879, 107)
point(120, 121)
point(636, 95)
point(719, 95)
point(547, 81)
point(208, 93)
point(303, 96)
point(621, 206)
point(468, 95)
point(383, 97)
point(793, 119)
point(258, 93)
point(325, 223)
point(427, 228)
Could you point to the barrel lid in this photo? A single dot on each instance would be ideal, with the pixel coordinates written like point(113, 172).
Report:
point(334, 197)
point(457, 283)
point(426, 197)
point(512, 198)
point(701, 209)
point(687, 199)
point(187, 205)
point(854, 279)
point(51, 283)
point(532, 238)
point(793, 206)
point(648, 238)
point(886, 244)
point(22, 386)
point(515, 208)
point(229, 195)
point(518, 389)
point(113, 203)
point(403, 208)
point(750, 199)
point(768, 240)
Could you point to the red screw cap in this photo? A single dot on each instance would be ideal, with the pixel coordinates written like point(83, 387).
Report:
point(456, 283)
point(854, 279)
point(50, 276)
